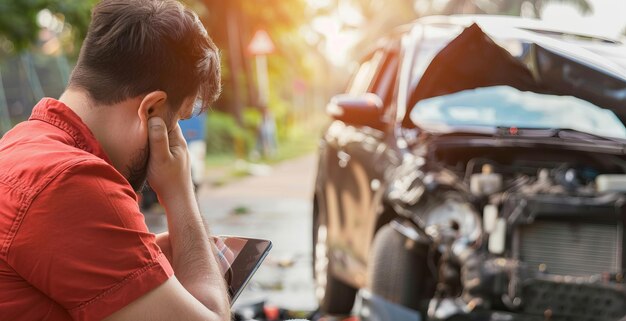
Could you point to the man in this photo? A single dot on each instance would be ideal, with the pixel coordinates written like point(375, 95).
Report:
point(73, 244)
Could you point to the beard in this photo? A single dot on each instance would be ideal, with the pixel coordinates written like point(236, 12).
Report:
point(138, 169)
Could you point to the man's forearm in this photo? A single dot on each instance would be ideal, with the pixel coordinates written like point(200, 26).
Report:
point(192, 256)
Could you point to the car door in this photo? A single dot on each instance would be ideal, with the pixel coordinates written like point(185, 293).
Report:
point(357, 159)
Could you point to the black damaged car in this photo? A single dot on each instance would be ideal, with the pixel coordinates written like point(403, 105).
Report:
point(475, 169)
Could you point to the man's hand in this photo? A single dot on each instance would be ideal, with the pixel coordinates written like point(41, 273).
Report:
point(198, 290)
point(169, 169)
point(190, 250)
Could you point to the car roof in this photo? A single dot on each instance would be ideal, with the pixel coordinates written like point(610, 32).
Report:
point(602, 53)
point(505, 23)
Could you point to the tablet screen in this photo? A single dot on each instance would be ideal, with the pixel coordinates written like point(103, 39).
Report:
point(239, 258)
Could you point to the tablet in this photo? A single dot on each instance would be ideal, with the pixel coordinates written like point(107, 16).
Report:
point(239, 258)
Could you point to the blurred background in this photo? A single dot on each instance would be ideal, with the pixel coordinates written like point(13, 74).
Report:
point(281, 61)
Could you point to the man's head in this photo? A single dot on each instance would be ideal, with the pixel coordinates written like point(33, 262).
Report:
point(148, 58)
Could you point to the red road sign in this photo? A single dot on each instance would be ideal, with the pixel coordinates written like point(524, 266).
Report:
point(261, 44)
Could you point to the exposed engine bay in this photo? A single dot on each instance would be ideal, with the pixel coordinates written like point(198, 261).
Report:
point(534, 231)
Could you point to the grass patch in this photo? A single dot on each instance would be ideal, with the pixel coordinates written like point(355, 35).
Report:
point(240, 210)
point(220, 160)
point(301, 139)
point(299, 143)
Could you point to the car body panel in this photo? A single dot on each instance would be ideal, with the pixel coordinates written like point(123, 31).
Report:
point(356, 162)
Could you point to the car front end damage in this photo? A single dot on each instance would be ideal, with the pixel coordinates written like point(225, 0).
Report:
point(517, 230)
point(515, 182)
point(512, 184)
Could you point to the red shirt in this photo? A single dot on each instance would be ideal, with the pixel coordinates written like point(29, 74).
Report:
point(73, 244)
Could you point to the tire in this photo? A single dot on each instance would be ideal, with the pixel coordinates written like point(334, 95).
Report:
point(399, 274)
point(334, 296)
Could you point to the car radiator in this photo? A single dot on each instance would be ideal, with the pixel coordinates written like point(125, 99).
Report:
point(575, 250)
point(571, 248)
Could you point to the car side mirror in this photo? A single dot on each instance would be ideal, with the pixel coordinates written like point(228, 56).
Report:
point(361, 110)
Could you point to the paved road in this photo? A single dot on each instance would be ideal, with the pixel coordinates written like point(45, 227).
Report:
point(276, 206)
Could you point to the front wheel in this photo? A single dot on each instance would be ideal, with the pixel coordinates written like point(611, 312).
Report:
point(398, 270)
point(334, 296)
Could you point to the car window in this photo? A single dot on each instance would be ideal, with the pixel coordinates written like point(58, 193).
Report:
point(376, 75)
point(363, 78)
point(504, 106)
point(386, 78)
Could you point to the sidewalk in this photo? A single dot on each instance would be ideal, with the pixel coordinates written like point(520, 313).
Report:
point(276, 207)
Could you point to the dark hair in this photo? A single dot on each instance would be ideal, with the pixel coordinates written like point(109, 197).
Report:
point(134, 47)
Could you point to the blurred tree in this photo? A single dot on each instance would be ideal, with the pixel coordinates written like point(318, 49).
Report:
point(19, 25)
point(28, 27)
point(231, 24)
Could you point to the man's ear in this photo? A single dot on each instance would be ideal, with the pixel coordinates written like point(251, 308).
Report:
point(153, 104)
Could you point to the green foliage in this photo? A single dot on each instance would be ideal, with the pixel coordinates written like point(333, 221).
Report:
point(232, 24)
point(223, 134)
point(18, 20)
point(252, 118)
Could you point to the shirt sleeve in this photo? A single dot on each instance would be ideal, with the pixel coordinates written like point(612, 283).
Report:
point(84, 243)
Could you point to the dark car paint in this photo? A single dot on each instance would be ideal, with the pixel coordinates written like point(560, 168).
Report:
point(350, 160)
point(353, 159)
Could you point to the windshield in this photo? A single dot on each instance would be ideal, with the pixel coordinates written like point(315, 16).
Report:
point(504, 106)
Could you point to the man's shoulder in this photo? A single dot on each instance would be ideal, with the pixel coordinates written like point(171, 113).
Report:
point(29, 164)
point(46, 174)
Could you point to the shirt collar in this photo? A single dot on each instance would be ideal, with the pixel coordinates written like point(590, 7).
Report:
point(56, 113)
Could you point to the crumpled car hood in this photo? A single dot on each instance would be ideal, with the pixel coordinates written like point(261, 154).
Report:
point(473, 60)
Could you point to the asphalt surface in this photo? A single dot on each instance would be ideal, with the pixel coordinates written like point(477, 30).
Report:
point(276, 205)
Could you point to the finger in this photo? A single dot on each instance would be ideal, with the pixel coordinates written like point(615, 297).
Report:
point(176, 137)
point(157, 135)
